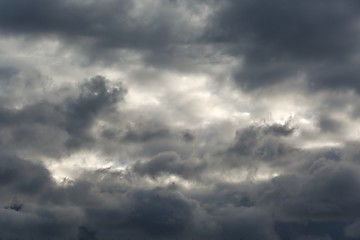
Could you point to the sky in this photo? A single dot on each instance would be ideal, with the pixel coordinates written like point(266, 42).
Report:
point(179, 119)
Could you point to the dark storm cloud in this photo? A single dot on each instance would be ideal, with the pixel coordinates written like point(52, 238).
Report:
point(152, 212)
point(161, 213)
point(86, 234)
point(165, 182)
point(104, 25)
point(326, 193)
point(35, 126)
point(277, 40)
point(352, 230)
point(248, 223)
point(315, 199)
point(280, 40)
point(42, 113)
point(310, 230)
point(95, 97)
point(162, 32)
point(18, 175)
point(31, 185)
point(69, 18)
point(40, 223)
point(155, 213)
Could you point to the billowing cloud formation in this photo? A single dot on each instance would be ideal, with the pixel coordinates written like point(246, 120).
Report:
point(281, 40)
point(180, 119)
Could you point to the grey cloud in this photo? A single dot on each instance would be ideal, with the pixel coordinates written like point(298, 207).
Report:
point(314, 200)
point(352, 230)
point(15, 205)
point(278, 129)
point(326, 237)
point(21, 176)
point(68, 18)
point(161, 141)
point(7, 72)
point(21, 84)
point(147, 135)
point(245, 223)
point(279, 41)
point(325, 190)
point(311, 230)
point(328, 124)
point(153, 213)
point(169, 163)
point(64, 125)
point(101, 27)
point(42, 113)
point(27, 214)
point(264, 142)
point(41, 223)
point(304, 34)
point(316, 185)
point(188, 136)
point(143, 131)
point(163, 33)
point(307, 194)
point(95, 97)
point(161, 213)
point(86, 234)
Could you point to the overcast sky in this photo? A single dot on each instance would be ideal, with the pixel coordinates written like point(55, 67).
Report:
point(179, 119)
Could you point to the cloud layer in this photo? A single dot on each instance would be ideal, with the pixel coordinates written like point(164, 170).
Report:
point(164, 119)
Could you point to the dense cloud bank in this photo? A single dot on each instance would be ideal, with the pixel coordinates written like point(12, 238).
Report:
point(179, 119)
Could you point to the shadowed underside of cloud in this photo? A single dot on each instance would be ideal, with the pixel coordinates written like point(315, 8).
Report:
point(314, 198)
point(54, 127)
point(280, 40)
point(161, 145)
point(276, 40)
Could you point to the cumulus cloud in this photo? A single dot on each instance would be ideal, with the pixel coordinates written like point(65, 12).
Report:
point(164, 119)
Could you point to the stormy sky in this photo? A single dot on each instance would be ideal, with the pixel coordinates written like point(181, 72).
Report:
point(179, 119)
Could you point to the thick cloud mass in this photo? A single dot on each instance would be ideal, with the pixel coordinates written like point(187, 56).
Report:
point(179, 119)
point(280, 40)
